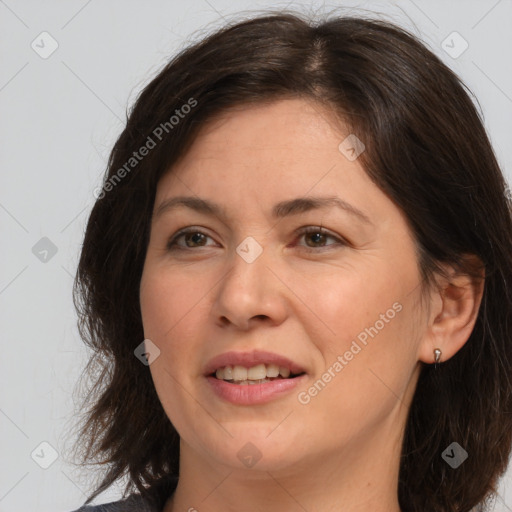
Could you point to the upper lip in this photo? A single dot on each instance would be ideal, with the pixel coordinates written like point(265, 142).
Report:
point(249, 359)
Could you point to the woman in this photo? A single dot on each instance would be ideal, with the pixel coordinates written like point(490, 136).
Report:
point(297, 280)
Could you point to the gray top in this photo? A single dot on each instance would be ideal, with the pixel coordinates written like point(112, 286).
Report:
point(136, 502)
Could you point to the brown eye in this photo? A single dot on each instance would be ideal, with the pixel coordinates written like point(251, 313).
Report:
point(318, 237)
point(191, 235)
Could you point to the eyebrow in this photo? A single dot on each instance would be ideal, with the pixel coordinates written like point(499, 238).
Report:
point(280, 210)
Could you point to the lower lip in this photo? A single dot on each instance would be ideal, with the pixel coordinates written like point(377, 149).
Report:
point(253, 393)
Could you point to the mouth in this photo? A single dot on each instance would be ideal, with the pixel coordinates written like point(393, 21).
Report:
point(232, 376)
point(257, 374)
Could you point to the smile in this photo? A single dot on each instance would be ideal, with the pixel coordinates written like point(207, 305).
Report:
point(259, 373)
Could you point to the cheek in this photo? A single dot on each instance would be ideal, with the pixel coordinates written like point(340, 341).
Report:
point(344, 303)
point(167, 301)
point(164, 319)
point(166, 306)
point(365, 329)
point(374, 371)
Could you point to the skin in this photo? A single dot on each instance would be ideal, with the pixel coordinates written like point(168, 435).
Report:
point(340, 451)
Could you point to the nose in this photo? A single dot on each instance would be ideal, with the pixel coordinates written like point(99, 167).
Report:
point(250, 293)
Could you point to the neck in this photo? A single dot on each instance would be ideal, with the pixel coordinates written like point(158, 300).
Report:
point(356, 479)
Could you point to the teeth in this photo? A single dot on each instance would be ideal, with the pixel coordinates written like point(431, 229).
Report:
point(239, 373)
point(251, 382)
point(285, 372)
point(272, 370)
point(228, 373)
point(255, 374)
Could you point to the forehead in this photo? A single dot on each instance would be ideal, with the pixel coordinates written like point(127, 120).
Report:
point(293, 123)
point(288, 145)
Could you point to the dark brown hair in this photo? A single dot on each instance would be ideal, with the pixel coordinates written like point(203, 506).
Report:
point(426, 148)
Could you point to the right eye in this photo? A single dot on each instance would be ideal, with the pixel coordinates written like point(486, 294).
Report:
point(197, 239)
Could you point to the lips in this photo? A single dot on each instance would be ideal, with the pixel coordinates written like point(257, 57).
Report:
point(249, 359)
point(256, 392)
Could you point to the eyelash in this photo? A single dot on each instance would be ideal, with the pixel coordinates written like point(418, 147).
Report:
point(172, 246)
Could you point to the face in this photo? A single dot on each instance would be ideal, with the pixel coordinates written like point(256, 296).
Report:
point(342, 303)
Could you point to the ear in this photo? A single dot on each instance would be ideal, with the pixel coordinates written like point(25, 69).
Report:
point(454, 307)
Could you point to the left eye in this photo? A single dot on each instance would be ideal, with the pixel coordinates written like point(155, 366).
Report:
point(320, 235)
point(198, 237)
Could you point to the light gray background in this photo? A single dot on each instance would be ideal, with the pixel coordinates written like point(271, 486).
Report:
point(59, 118)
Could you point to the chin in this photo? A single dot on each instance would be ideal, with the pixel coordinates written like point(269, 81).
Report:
point(257, 452)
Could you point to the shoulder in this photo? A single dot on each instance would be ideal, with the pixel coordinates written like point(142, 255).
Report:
point(133, 503)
